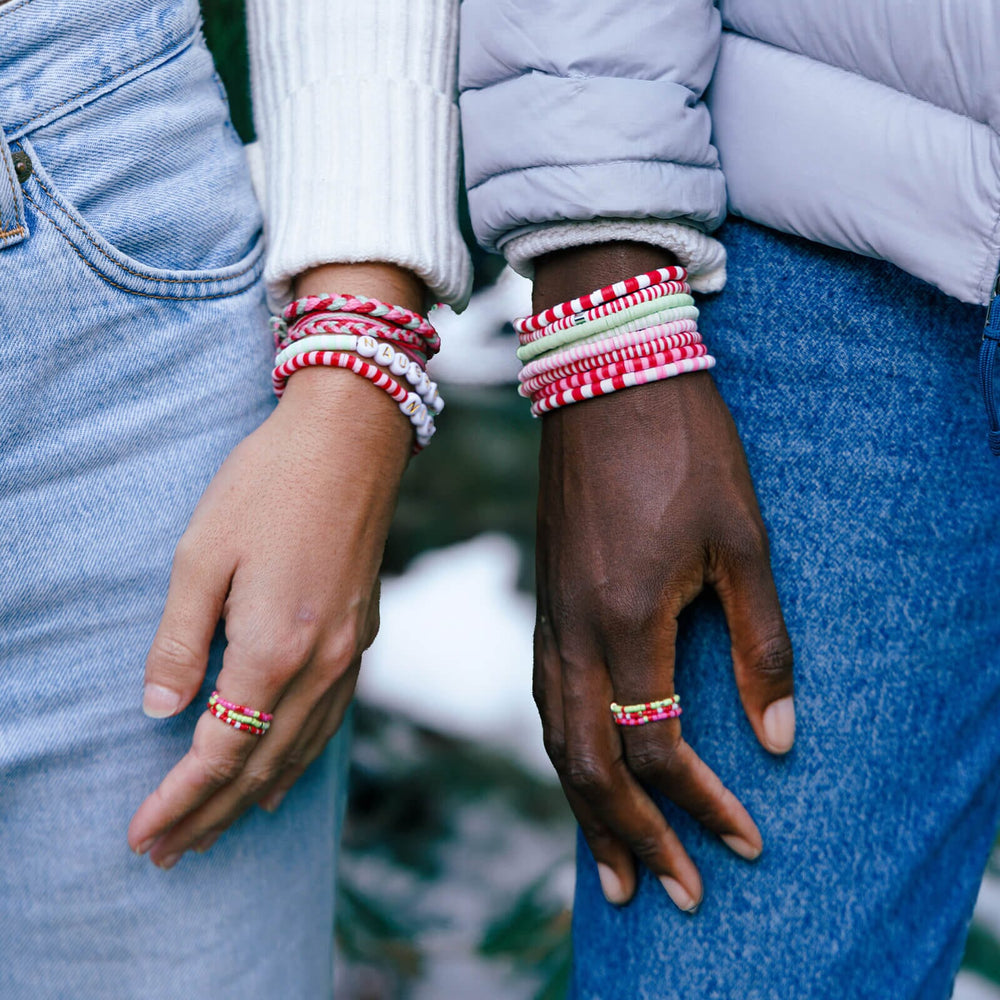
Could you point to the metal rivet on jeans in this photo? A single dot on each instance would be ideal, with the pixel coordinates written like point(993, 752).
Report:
point(22, 165)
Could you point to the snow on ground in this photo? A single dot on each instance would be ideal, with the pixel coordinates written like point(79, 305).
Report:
point(454, 648)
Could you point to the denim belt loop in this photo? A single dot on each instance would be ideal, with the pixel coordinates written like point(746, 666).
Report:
point(13, 227)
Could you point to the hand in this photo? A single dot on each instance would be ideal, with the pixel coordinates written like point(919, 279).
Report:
point(645, 498)
point(285, 545)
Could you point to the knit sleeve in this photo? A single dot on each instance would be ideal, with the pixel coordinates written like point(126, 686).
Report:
point(356, 116)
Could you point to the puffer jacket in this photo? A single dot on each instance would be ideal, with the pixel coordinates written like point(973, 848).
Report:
point(870, 125)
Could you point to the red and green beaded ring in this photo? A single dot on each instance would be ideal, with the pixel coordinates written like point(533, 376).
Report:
point(647, 711)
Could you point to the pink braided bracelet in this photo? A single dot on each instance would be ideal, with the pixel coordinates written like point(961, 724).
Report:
point(323, 322)
point(595, 298)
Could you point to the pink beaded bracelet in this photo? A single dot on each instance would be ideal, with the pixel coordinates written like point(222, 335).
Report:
point(595, 298)
point(664, 337)
point(333, 322)
point(650, 294)
point(548, 402)
point(548, 383)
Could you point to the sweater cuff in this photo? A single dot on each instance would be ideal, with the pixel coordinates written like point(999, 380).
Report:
point(327, 142)
point(703, 256)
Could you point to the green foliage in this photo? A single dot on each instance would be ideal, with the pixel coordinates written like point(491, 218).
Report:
point(226, 34)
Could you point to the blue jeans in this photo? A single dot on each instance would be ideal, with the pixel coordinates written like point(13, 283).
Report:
point(135, 354)
point(854, 388)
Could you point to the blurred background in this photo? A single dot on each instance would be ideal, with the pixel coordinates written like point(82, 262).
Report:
point(457, 866)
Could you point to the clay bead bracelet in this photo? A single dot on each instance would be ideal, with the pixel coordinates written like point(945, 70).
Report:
point(668, 335)
point(547, 403)
point(599, 372)
point(671, 307)
point(410, 404)
point(609, 308)
point(595, 298)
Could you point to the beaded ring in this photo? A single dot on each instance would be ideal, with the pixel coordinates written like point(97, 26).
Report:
point(645, 712)
point(595, 298)
point(242, 717)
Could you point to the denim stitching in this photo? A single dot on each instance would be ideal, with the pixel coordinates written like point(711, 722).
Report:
point(14, 7)
point(139, 274)
point(19, 229)
point(125, 288)
point(97, 86)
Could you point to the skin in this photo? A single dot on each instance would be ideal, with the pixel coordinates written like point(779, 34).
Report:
point(300, 606)
point(645, 499)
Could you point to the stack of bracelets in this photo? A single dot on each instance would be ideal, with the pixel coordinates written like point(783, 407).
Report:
point(640, 330)
point(388, 345)
point(239, 716)
point(647, 711)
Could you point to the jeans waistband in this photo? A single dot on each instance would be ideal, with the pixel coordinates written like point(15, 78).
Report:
point(57, 55)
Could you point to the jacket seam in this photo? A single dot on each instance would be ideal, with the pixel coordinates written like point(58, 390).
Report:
point(857, 73)
point(536, 71)
point(125, 288)
point(592, 163)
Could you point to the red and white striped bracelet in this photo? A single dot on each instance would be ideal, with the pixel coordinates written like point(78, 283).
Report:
point(595, 298)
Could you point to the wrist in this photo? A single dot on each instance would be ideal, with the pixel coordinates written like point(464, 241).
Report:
point(566, 274)
point(385, 282)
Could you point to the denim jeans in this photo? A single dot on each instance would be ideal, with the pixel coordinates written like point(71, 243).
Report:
point(854, 388)
point(135, 354)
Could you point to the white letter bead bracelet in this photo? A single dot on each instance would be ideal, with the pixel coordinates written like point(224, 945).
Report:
point(388, 345)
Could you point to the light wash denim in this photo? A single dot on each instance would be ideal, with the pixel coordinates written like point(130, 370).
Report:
point(134, 355)
point(854, 388)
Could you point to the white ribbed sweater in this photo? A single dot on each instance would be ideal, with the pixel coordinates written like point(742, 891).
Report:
point(357, 126)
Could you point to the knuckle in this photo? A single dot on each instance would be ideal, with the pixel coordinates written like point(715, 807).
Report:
point(588, 775)
point(555, 747)
point(218, 768)
point(647, 847)
point(772, 660)
point(255, 781)
point(171, 656)
point(651, 759)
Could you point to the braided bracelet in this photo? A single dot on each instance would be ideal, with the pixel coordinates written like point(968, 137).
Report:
point(546, 403)
point(551, 384)
point(398, 315)
point(615, 291)
point(650, 294)
point(637, 317)
point(334, 322)
point(409, 403)
point(368, 347)
point(667, 335)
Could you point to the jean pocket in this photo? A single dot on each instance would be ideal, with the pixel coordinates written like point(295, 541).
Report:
point(149, 186)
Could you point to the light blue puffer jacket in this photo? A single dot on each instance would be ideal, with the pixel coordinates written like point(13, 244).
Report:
point(870, 125)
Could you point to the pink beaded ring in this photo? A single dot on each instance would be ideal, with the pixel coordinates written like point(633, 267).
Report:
point(242, 717)
point(646, 712)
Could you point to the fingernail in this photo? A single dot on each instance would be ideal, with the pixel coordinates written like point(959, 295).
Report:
point(741, 846)
point(779, 725)
point(683, 900)
point(145, 845)
point(169, 861)
point(206, 842)
point(611, 885)
point(271, 801)
point(159, 702)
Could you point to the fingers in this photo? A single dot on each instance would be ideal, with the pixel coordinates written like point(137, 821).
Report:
point(761, 648)
point(175, 666)
point(218, 751)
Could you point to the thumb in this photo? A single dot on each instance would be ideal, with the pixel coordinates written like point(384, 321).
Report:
point(178, 657)
point(761, 649)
